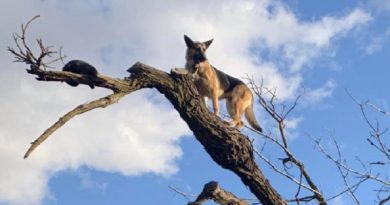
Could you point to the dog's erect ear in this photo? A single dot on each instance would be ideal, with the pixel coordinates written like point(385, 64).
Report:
point(188, 41)
point(207, 43)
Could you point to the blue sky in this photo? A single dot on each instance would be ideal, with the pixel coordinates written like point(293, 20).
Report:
point(130, 153)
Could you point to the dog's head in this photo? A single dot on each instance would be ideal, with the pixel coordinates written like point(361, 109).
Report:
point(196, 51)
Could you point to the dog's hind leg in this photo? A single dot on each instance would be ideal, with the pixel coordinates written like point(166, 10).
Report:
point(234, 113)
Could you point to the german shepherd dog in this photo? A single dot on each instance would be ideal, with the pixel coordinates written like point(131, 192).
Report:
point(215, 84)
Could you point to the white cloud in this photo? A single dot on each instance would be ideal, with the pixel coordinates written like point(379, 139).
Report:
point(292, 124)
point(302, 42)
point(140, 134)
point(313, 96)
point(86, 182)
point(378, 42)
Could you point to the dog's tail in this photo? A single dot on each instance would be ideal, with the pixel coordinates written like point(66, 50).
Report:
point(250, 116)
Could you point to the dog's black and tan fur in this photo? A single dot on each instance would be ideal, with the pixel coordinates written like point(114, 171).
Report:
point(215, 84)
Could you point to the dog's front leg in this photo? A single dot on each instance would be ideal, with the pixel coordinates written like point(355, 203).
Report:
point(215, 103)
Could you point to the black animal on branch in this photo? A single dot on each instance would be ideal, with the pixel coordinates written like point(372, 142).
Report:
point(80, 67)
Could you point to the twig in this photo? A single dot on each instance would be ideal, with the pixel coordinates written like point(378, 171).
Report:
point(283, 173)
point(350, 189)
point(377, 108)
point(303, 199)
point(299, 189)
point(376, 131)
point(24, 53)
point(185, 195)
point(345, 167)
point(384, 201)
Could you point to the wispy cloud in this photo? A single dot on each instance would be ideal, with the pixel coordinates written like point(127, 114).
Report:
point(292, 124)
point(314, 96)
point(378, 42)
point(300, 42)
point(140, 134)
point(86, 182)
